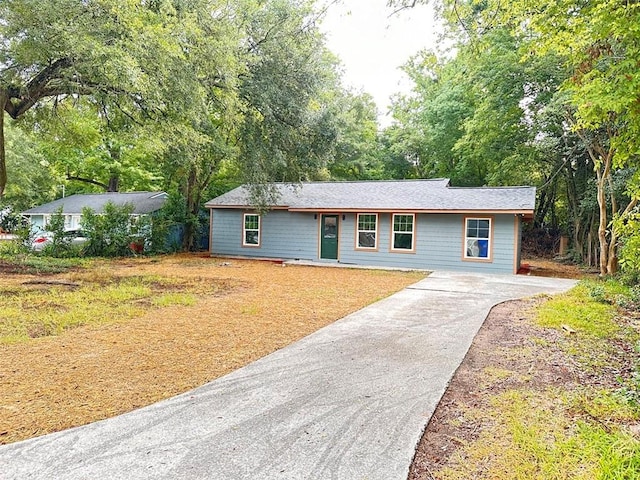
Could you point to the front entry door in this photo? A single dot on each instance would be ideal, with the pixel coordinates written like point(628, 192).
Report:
point(329, 237)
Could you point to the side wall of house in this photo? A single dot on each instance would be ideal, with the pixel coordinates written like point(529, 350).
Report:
point(282, 235)
point(439, 240)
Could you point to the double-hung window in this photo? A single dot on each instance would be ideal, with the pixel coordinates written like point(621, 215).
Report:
point(251, 230)
point(367, 235)
point(477, 241)
point(403, 232)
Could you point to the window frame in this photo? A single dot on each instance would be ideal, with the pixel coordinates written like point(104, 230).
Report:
point(466, 238)
point(375, 233)
point(392, 243)
point(245, 230)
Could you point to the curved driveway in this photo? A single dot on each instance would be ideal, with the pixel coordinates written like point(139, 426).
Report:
point(349, 402)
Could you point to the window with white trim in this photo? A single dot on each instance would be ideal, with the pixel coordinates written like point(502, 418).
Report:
point(403, 234)
point(477, 239)
point(367, 231)
point(251, 230)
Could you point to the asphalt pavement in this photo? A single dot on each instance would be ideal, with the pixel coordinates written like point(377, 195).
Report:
point(349, 402)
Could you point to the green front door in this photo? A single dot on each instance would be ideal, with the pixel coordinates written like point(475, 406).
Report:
point(329, 239)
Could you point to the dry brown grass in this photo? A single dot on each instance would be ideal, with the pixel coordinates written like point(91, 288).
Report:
point(94, 372)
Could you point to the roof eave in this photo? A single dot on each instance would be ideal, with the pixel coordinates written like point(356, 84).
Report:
point(526, 213)
point(244, 207)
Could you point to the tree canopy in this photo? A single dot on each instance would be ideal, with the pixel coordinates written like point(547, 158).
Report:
point(538, 93)
point(172, 94)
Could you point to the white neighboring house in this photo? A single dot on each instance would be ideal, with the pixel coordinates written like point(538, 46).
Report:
point(144, 203)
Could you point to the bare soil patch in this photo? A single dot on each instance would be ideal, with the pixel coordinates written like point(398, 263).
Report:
point(91, 373)
point(546, 267)
point(509, 352)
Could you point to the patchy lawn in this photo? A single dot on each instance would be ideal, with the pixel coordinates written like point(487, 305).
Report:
point(105, 338)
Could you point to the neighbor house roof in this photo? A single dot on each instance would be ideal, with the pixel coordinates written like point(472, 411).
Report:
point(434, 195)
point(143, 203)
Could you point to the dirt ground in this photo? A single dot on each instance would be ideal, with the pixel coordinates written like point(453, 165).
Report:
point(94, 372)
point(545, 267)
point(507, 342)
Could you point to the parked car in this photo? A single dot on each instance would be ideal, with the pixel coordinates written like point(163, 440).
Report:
point(74, 237)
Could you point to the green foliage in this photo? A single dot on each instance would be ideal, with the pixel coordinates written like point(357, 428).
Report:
point(108, 233)
point(10, 220)
point(287, 132)
point(33, 180)
point(629, 228)
point(479, 117)
point(60, 245)
point(582, 309)
point(163, 94)
point(356, 154)
point(125, 55)
point(95, 153)
point(12, 249)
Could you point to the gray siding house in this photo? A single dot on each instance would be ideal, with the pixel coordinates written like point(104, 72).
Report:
point(422, 224)
point(144, 203)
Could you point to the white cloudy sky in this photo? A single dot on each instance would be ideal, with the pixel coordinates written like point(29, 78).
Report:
point(372, 43)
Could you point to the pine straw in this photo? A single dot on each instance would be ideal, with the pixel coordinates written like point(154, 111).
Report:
point(91, 373)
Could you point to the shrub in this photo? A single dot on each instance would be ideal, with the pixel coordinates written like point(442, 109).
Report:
point(10, 221)
point(109, 233)
point(628, 228)
point(60, 245)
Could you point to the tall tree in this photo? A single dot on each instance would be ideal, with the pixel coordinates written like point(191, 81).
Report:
point(285, 130)
point(605, 92)
point(268, 114)
point(356, 155)
point(124, 53)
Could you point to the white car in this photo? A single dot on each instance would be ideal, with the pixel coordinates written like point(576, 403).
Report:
point(74, 237)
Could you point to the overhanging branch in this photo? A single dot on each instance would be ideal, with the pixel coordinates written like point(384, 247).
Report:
point(88, 180)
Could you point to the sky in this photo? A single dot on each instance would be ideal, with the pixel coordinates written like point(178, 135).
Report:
point(372, 44)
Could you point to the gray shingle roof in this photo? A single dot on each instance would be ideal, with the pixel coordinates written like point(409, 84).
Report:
point(143, 202)
point(412, 195)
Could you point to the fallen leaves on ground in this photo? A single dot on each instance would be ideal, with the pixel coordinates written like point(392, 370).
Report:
point(95, 372)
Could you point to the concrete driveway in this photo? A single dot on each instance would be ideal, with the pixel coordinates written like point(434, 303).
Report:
point(349, 402)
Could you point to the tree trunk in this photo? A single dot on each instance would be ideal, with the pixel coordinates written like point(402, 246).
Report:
point(114, 184)
point(573, 209)
point(612, 258)
point(602, 226)
point(188, 241)
point(3, 163)
point(602, 157)
point(541, 211)
point(578, 245)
